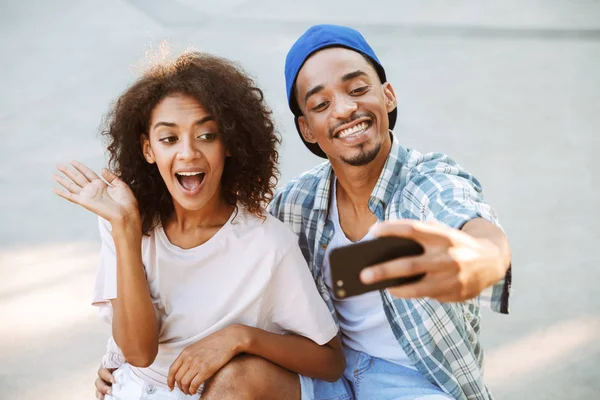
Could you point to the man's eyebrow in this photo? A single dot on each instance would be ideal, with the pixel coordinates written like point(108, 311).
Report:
point(172, 124)
point(352, 75)
point(312, 91)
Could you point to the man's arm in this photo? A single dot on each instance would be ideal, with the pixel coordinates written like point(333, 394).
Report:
point(457, 265)
point(465, 250)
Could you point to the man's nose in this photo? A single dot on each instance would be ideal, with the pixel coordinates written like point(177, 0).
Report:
point(344, 107)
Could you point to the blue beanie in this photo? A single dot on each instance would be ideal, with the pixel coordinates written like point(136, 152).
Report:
point(316, 38)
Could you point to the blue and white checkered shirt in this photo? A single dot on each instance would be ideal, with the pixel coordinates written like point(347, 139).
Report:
point(441, 339)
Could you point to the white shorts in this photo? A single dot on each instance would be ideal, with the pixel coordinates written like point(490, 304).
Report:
point(130, 387)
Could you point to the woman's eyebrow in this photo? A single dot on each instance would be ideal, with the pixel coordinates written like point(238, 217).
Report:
point(172, 124)
point(204, 120)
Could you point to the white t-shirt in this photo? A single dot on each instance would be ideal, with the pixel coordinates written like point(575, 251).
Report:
point(362, 318)
point(250, 272)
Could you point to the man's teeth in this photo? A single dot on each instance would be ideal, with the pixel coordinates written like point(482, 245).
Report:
point(353, 131)
point(190, 173)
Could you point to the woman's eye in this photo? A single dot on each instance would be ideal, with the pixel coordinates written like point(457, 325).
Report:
point(207, 136)
point(359, 90)
point(168, 139)
point(320, 106)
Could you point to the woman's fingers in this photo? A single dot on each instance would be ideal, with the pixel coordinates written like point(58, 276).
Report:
point(195, 385)
point(74, 175)
point(85, 171)
point(66, 195)
point(67, 184)
point(110, 177)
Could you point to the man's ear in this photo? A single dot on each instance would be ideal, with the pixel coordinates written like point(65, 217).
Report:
point(390, 97)
point(305, 130)
point(147, 149)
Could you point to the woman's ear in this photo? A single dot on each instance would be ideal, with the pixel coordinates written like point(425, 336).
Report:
point(147, 149)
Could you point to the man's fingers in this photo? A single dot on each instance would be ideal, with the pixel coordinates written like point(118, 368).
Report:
point(407, 267)
point(102, 387)
point(106, 375)
point(423, 232)
point(398, 268)
point(99, 395)
point(430, 286)
point(85, 171)
point(74, 175)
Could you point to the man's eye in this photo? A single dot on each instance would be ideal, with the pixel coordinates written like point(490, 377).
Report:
point(320, 106)
point(168, 139)
point(359, 90)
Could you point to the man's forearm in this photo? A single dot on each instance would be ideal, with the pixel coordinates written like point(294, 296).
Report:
point(479, 228)
point(295, 353)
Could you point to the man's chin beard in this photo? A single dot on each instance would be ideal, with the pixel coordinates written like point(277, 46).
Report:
point(364, 157)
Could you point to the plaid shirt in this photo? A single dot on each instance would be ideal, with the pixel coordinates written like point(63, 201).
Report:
point(441, 339)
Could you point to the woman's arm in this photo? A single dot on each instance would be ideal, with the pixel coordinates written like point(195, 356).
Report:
point(134, 325)
point(201, 360)
point(295, 353)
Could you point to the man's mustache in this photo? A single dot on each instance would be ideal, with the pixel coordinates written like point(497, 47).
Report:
point(352, 118)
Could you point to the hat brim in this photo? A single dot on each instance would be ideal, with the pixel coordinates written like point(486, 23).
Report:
point(316, 150)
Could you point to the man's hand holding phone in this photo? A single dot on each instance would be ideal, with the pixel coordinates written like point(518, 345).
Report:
point(456, 265)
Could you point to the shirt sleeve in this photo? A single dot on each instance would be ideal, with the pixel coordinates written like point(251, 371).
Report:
point(296, 305)
point(105, 286)
point(439, 189)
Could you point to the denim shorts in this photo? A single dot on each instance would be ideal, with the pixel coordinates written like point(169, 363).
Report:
point(368, 377)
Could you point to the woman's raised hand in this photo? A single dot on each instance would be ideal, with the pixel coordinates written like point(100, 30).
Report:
point(111, 199)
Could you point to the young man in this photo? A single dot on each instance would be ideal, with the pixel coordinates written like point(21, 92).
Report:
point(407, 341)
point(418, 341)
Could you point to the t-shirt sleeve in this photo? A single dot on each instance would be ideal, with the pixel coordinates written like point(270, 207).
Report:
point(295, 303)
point(105, 286)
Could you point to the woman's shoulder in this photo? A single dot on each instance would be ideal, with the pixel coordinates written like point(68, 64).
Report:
point(267, 229)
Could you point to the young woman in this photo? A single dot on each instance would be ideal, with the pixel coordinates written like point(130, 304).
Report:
point(193, 272)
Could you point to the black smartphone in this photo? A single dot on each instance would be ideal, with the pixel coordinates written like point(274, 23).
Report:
point(347, 262)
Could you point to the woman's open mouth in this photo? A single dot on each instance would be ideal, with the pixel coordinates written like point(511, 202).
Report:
point(190, 181)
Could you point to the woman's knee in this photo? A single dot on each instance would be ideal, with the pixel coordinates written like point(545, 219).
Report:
point(251, 377)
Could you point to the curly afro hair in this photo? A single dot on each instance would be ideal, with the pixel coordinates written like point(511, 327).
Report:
point(244, 121)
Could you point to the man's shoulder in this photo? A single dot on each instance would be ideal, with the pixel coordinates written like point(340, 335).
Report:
point(419, 163)
point(303, 188)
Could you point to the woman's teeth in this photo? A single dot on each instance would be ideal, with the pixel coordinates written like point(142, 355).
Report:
point(189, 173)
point(190, 180)
point(355, 130)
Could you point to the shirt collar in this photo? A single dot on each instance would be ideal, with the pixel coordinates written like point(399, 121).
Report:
point(384, 188)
